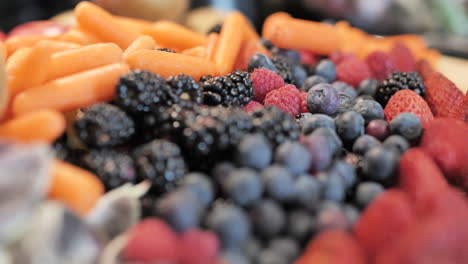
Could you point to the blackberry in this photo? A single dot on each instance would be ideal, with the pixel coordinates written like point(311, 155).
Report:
point(186, 88)
point(205, 78)
point(399, 81)
point(113, 168)
point(233, 89)
point(64, 152)
point(104, 125)
point(166, 50)
point(161, 162)
point(277, 126)
point(284, 68)
point(216, 28)
point(141, 91)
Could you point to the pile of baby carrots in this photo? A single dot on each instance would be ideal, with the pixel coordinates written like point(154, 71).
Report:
point(44, 77)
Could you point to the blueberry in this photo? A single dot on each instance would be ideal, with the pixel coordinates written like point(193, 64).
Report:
point(301, 224)
point(181, 209)
point(370, 110)
point(397, 142)
point(364, 143)
point(260, 61)
point(279, 183)
point(222, 170)
point(331, 138)
point(331, 216)
point(252, 247)
point(292, 55)
point(270, 256)
point(362, 98)
point(234, 257)
point(308, 191)
point(311, 81)
point(345, 88)
point(300, 75)
point(349, 126)
point(351, 213)
point(407, 125)
point(294, 156)
point(378, 129)
point(316, 121)
point(368, 87)
point(321, 149)
point(333, 186)
point(230, 223)
point(301, 118)
point(345, 171)
point(326, 69)
point(346, 103)
point(366, 192)
point(243, 186)
point(268, 218)
point(323, 98)
point(254, 151)
point(201, 185)
point(380, 163)
point(286, 246)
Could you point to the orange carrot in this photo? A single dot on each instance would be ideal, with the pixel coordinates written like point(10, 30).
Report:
point(44, 125)
point(3, 51)
point(75, 187)
point(198, 51)
point(29, 68)
point(168, 64)
point(78, 36)
point(141, 43)
point(248, 49)
point(58, 46)
point(71, 92)
point(103, 25)
point(249, 31)
point(133, 24)
point(296, 34)
point(88, 57)
point(14, 43)
point(4, 93)
point(229, 43)
point(174, 36)
point(268, 26)
point(211, 42)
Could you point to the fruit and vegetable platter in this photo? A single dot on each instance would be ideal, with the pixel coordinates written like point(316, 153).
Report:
point(133, 141)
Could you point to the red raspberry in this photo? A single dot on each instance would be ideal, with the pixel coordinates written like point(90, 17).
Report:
point(386, 218)
point(410, 102)
point(304, 108)
point(443, 97)
point(265, 81)
point(352, 71)
point(403, 58)
point(198, 247)
point(424, 69)
point(339, 56)
point(286, 98)
point(380, 64)
point(308, 57)
point(152, 240)
point(252, 106)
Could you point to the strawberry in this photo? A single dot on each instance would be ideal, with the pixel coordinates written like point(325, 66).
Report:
point(403, 58)
point(308, 57)
point(419, 176)
point(152, 240)
point(339, 56)
point(304, 108)
point(424, 69)
point(384, 220)
point(198, 247)
point(447, 201)
point(443, 97)
point(446, 141)
point(352, 71)
point(380, 64)
point(465, 106)
point(410, 102)
point(335, 246)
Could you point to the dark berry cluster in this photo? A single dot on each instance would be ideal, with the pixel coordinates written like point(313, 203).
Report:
point(234, 89)
point(399, 81)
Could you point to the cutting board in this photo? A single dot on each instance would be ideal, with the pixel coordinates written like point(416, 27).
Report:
point(456, 70)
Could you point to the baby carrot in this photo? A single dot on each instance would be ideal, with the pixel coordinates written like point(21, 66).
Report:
point(211, 42)
point(44, 125)
point(75, 187)
point(103, 25)
point(174, 36)
point(168, 64)
point(198, 51)
point(296, 34)
point(141, 43)
point(88, 57)
point(4, 94)
point(78, 36)
point(58, 46)
point(229, 43)
point(133, 24)
point(71, 92)
point(268, 26)
point(29, 68)
point(14, 43)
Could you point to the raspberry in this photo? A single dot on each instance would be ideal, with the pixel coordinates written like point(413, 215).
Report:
point(304, 108)
point(265, 81)
point(198, 247)
point(339, 56)
point(286, 98)
point(152, 240)
point(252, 106)
point(353, 71)
point(410, 102)
point(443, 97)
point(380, 64)
point(403, 58)
point(308, 57)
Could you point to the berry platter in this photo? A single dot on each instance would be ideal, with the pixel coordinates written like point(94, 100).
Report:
point(130, 141)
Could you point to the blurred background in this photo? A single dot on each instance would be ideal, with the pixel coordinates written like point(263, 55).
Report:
point(444, 23)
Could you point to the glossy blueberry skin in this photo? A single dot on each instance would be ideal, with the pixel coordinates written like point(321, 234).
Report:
point(311, 81)
point(366, 192)
point(327, 69)
point(368, 87)
point(349, 126)
point(317, 121)
point(323, 98)
point(364, 143)
point(369, 109)
point(254, 151)
point(407, 125)
point(260, 61)
point(294, 156)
